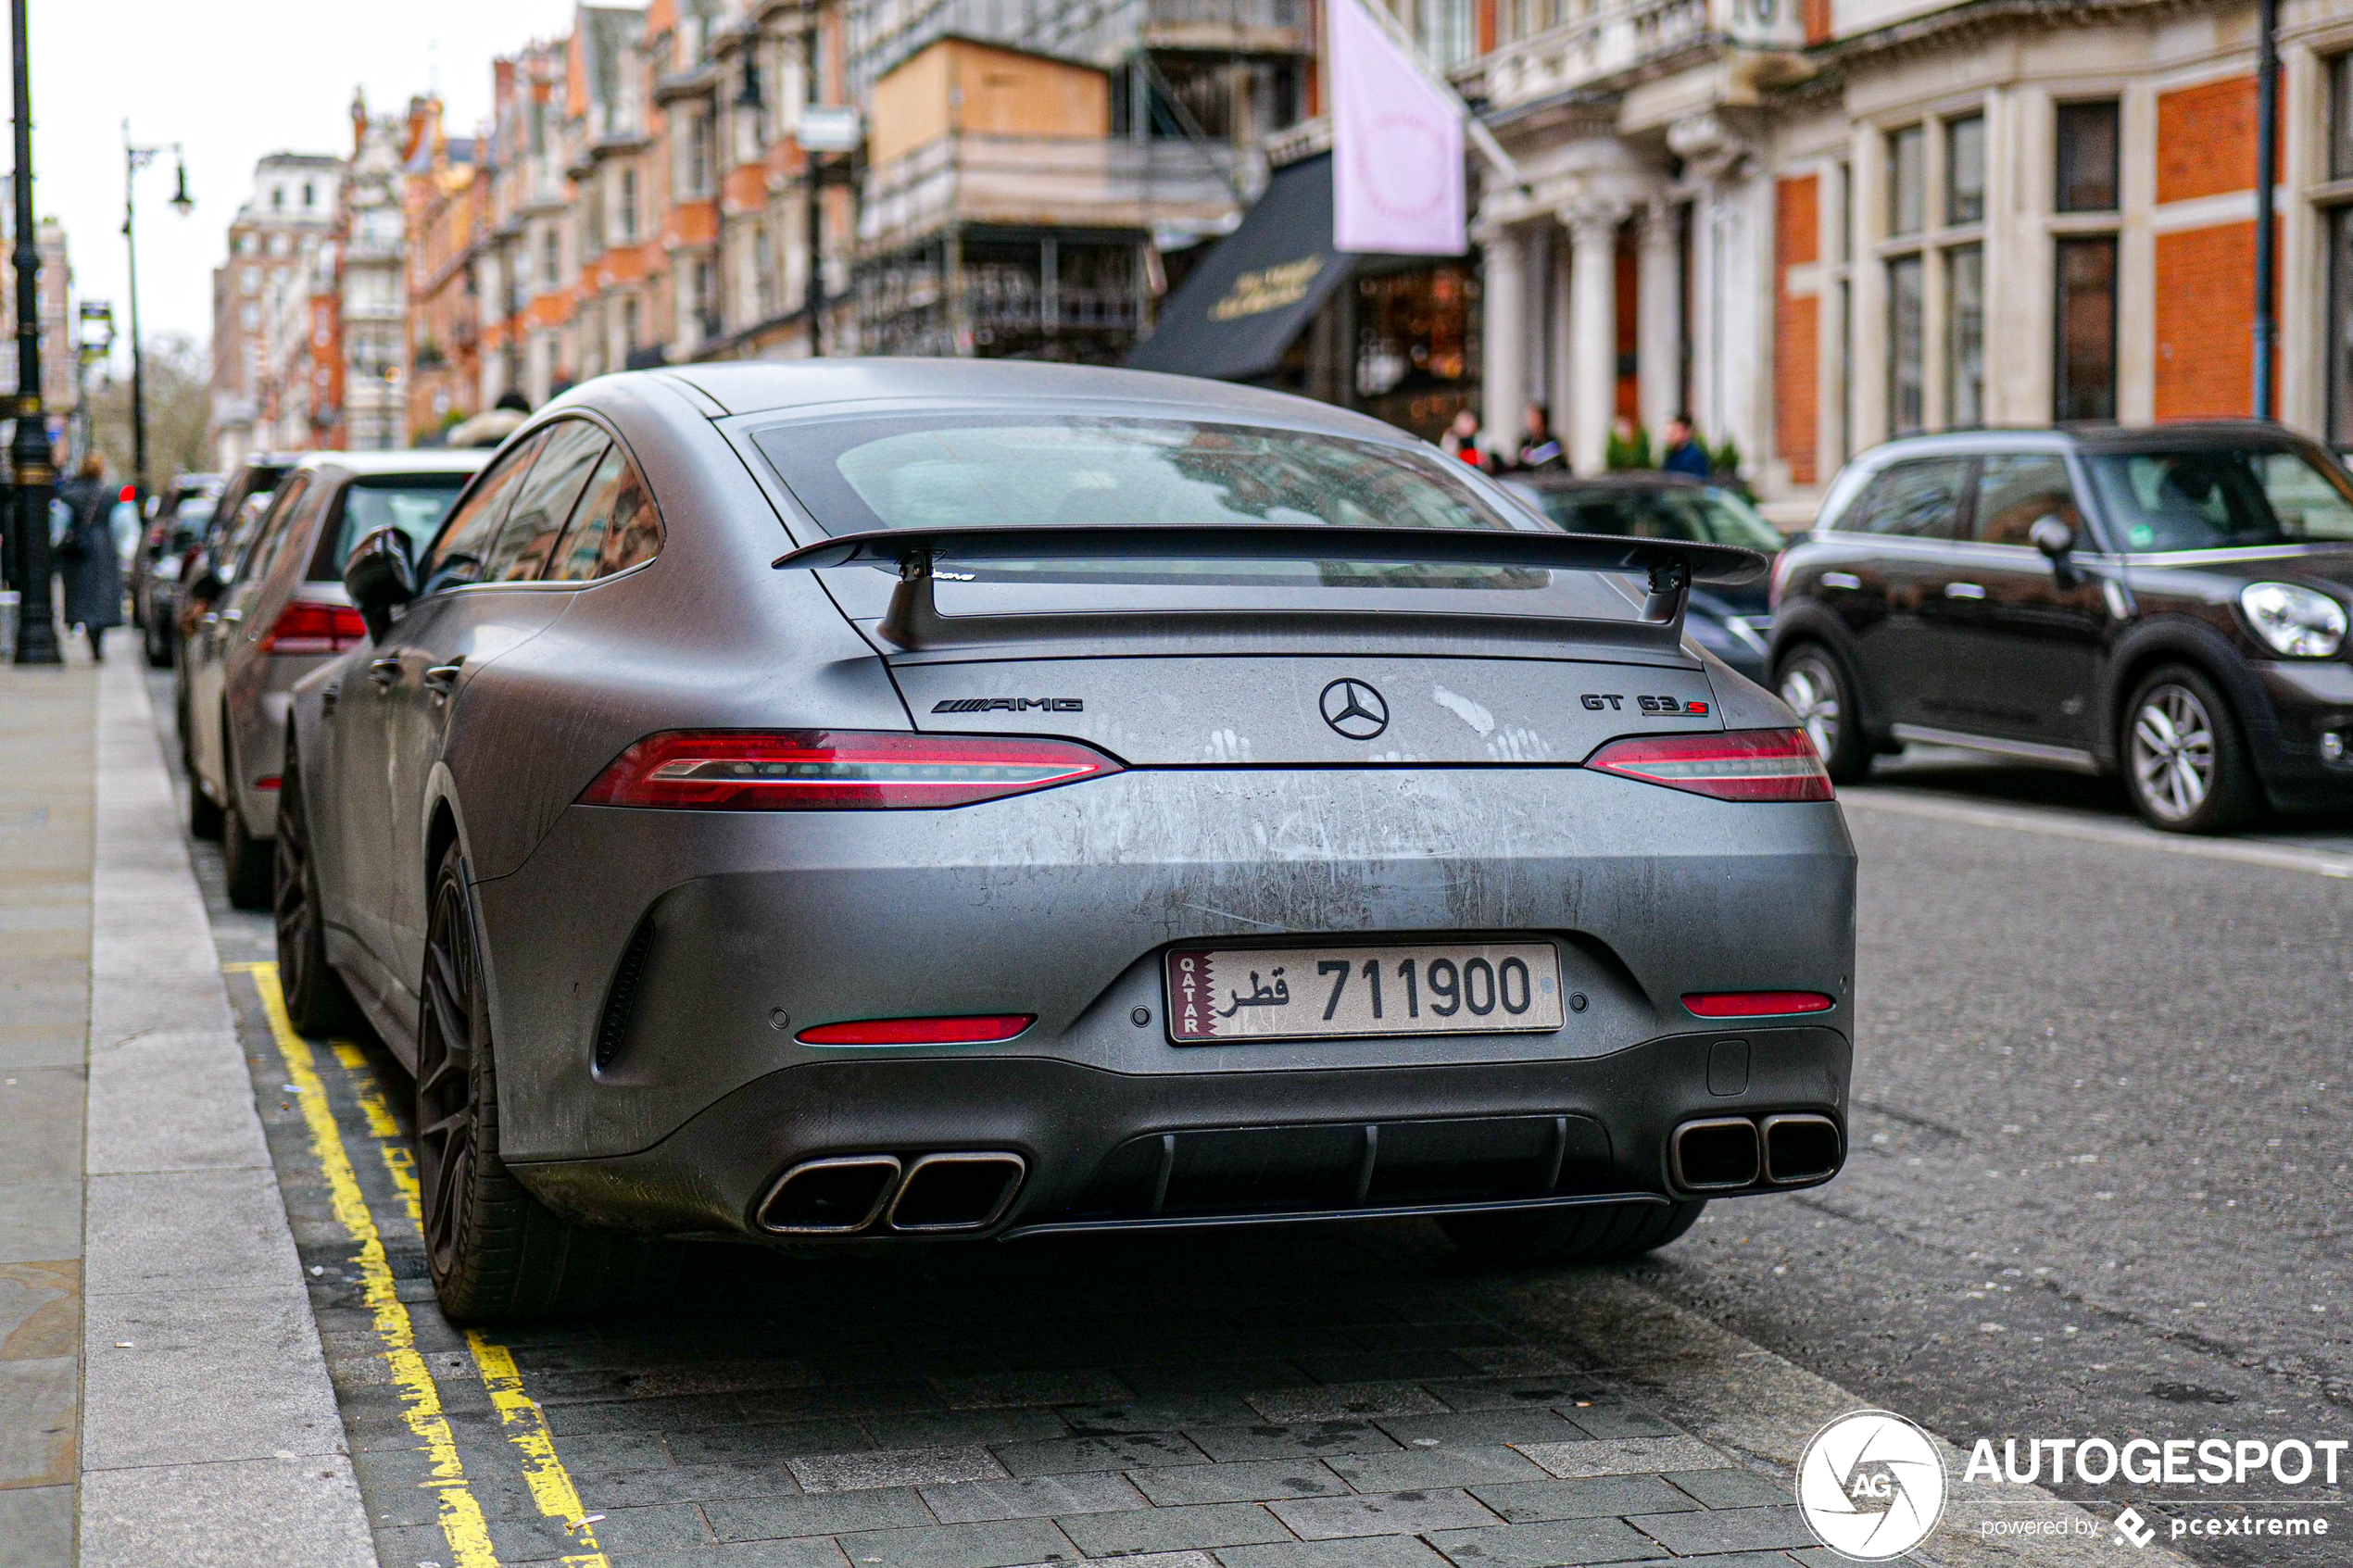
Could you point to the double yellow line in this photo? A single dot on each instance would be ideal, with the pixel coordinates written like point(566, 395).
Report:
point(460, 1514)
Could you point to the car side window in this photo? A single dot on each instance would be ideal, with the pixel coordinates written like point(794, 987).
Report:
point(1914, 500)
point(466, 538)
point(2015, 490)
point(615, 527)
point(544, 502)
point(296, 522)
point(253, 564)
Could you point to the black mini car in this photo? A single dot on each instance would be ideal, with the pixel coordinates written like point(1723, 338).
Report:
point(2170, 604)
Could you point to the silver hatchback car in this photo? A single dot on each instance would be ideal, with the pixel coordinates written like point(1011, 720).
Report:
point(283, 614)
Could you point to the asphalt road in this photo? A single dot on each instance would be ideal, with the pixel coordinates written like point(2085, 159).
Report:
point(2101, 1141)
point(2100, 1151)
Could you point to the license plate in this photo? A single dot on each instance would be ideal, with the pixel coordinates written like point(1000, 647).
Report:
point(1321, 993)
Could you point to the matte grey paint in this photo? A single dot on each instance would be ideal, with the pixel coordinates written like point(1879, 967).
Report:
point(1054, 903)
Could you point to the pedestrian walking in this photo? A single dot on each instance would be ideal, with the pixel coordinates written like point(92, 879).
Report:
point(88, 563)
point(1684, 454)
point(1461, 439)
point(1540, 450)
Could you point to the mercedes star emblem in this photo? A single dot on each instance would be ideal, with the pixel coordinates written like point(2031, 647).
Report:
point(1354, 708)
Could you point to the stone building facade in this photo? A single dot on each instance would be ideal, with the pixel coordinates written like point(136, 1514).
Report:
point(1817, 229)
point(276, 243)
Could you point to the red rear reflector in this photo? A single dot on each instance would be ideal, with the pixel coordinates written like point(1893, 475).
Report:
point(266, 781)
point(919, 1031)
point(1735, 765)
point(308, 626)
point(1755, 1004)
point(834, 771)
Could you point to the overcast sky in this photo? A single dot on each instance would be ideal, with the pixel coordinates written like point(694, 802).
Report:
point(229, 80)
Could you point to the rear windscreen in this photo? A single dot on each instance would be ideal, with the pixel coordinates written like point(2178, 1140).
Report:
point(962, 469)
point(414, 503)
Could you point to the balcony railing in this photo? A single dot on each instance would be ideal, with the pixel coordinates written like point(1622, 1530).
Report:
point(1613, 39)
point(1251, 25)
point(1024, 181)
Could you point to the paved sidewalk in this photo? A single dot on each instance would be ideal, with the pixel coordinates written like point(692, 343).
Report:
point(140, 1217)
point(47, 761)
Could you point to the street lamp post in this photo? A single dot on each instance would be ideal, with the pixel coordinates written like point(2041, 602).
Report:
point(36, 474)
point(2267, 174)
point(134, 161)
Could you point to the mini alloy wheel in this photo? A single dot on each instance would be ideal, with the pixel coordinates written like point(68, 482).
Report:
point(1815, 689)
point(2182, 761)
point(317, 1002)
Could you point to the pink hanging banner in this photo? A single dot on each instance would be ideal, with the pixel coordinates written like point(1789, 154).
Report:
point(1397, 146)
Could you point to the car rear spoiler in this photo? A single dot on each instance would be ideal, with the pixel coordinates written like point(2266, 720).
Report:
point(1670, 566)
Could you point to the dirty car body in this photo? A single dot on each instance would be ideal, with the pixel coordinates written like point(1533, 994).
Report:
point(966, 878)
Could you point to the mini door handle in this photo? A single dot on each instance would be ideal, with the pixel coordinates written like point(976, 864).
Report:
point(1963, 591)
point(385, 671)
point(441, 677)
point(1841, 579)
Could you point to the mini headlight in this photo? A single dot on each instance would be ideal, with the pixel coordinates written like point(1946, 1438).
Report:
point(2295, 621)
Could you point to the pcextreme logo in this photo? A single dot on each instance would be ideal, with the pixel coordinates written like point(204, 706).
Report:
point(1871, 1485)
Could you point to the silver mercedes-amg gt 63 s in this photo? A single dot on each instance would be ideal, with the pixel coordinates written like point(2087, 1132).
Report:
point(871, 803)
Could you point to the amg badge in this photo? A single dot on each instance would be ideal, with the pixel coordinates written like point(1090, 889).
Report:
point(1009, 705)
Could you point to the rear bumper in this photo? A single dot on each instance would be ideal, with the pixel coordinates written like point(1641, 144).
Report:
point(1103, 1149)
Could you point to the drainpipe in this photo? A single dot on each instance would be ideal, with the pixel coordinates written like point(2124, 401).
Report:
point(2267, 176)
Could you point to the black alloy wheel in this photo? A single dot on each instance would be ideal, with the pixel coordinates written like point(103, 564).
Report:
point(317, 1001)
point(205, 817)
point(157, 635)
point(2185, 765)
point(247, 860)
point(1814, 684)
point(496, 1252)
point(1599, 1233)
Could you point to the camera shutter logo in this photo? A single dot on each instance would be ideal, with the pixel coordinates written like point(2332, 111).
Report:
point(1871, 1485)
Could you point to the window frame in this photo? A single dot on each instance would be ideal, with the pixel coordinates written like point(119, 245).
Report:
point(2061, 245)
point(2061, 112)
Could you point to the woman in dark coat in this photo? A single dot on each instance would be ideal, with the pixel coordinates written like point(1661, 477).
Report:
point(87, 561)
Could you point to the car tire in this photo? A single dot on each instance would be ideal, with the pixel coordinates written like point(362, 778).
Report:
point(159, 641)
point(318, 1003)
point(1601, 1234)
point(205, 817)
point(1814, 684)
point(247, 859)
point(2186, 764)
point(495, 1253)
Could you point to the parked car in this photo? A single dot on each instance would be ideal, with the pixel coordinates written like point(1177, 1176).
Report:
point(1134, 802)
point(208, 564)
point(176, 516)
point(1730, 623)
point(281, 614)
point(2168, 604)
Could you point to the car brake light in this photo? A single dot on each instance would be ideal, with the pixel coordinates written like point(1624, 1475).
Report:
point(1733, 765)
point(268, 780)
point(920, 1031)
point(1755, 1004)
point(308, 626)
point(834, 771)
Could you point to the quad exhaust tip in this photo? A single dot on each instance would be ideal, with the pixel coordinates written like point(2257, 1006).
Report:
point(1727, 1153)
point(956, 1192)
point(1801, 1148)
point(937, 1194)
point(1714, 1155)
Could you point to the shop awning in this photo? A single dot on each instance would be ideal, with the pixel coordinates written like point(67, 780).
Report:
point(1240, 309)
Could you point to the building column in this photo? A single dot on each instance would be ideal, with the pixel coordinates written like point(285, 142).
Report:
point(1504, 337)
point(1659, 349)
point(1592, 334)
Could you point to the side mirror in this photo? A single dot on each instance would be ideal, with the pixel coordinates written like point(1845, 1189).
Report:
point(381, 577)
point(2051, 536)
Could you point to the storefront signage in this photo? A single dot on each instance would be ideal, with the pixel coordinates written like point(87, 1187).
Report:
point(1267, 288)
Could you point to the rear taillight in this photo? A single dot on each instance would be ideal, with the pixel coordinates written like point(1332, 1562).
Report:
point(308, 626)
point(1734, 765)
point(834, 770)
point(981, 1031)
point(1755, 1004)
